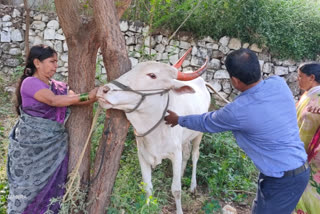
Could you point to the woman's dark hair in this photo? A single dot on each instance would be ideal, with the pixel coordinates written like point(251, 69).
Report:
point(311, 68)
point(244, 65)
point(40, 52)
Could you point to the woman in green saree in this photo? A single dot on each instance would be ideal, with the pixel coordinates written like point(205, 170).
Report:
point(308, 113)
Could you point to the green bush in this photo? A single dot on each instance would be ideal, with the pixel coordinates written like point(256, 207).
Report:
point(211, 206)
point(289, 28)
point(224, 168)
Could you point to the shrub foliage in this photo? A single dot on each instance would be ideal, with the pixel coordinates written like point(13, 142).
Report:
point(289, 28)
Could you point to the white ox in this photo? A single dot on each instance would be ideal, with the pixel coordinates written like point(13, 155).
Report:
point(145, 93)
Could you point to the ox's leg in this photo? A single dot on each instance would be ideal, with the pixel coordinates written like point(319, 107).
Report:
point(186, 150)
point(195, 157)
point(176, 180)
point(146, 174)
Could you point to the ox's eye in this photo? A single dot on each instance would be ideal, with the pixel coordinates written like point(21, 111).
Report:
point(152, 75)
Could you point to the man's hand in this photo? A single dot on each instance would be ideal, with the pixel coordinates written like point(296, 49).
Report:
point(171, 119)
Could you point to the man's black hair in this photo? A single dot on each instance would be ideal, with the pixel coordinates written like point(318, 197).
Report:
point(244, 65)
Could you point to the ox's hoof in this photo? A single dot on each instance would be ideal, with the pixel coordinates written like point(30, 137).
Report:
point(193, 188)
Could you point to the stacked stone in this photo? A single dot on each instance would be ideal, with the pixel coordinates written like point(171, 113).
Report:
point(44, 29)
point(141, 46)
point(11, 38)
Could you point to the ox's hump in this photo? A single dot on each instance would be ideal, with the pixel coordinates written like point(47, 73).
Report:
point(152, 64)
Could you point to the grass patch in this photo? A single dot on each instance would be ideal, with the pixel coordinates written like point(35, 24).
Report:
point(225, 169)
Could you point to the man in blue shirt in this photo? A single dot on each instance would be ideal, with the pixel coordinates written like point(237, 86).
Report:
point(264, 122)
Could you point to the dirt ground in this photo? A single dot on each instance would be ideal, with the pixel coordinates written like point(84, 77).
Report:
point(194, 205)
point(241, 209)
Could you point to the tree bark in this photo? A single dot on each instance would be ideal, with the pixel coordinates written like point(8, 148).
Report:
point(26, 36)
point(83, 39)
point(101, 189)
point(83, 43)
point(115, 58)
point(122, 6)
point(82, 59)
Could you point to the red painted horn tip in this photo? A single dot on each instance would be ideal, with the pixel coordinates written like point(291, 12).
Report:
point(180, 61)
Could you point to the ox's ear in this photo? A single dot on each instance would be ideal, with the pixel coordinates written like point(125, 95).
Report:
point(182, 88)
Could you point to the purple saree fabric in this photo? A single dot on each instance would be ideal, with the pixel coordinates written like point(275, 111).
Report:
point(55, 188)
point(36, 152)
point(31, 106)
point(59, 88)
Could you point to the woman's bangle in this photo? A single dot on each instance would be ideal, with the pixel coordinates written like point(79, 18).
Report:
point(84, 97)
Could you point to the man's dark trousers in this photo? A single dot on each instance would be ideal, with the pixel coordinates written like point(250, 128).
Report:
point(279, 195)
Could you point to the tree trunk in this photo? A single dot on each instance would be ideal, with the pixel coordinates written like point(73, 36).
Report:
point(101, 188)
point(115, 58)
point(122, 6)
point(26, 36)
point(83, 44)
point(84, 39)
point(82, 60)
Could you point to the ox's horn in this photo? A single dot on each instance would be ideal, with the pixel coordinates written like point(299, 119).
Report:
point(190, 76)
point(180, 61)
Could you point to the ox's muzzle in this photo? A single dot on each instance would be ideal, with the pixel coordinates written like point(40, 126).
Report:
point(102, 91)
point(105, 89)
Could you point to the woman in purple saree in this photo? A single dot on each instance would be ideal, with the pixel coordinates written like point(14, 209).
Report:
point(38, 150)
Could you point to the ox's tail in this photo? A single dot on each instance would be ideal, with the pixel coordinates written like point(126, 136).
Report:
point(209, 86)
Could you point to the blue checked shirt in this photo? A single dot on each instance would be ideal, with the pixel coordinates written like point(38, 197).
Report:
point(264, 122)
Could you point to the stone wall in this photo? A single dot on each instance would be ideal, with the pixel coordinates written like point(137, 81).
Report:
point(45, 29)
